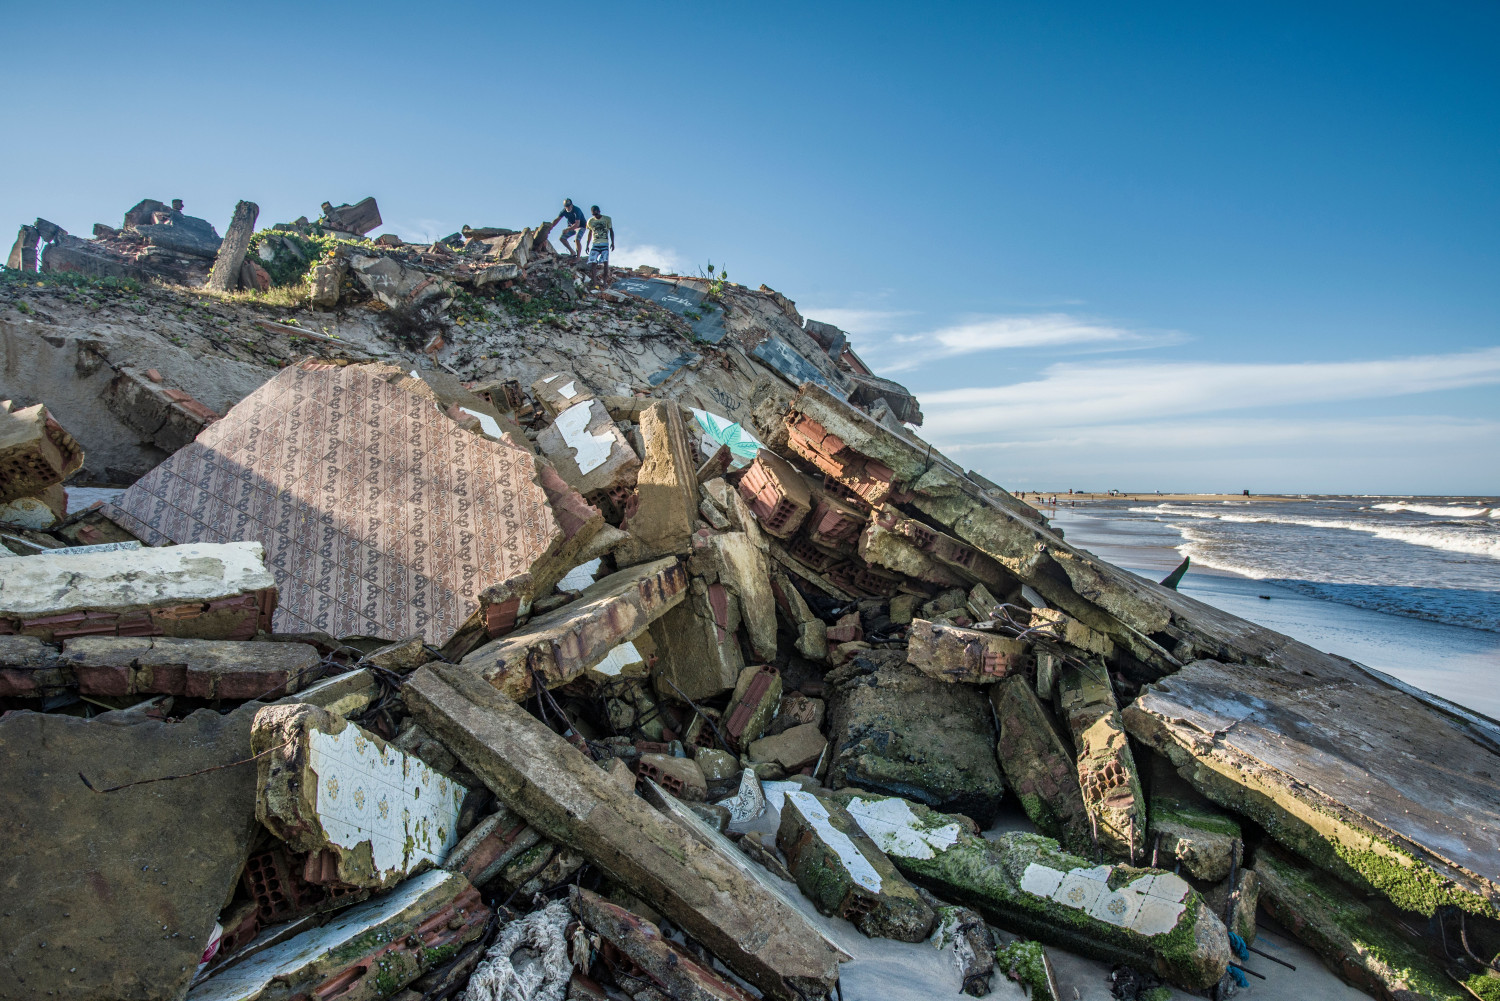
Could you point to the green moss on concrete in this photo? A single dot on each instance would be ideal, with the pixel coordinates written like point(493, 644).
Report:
point(1186, 815)
point(1022, 961)
point(1410, 884)
point(1157, 994)
point(1345, 929)
point(1484, 986)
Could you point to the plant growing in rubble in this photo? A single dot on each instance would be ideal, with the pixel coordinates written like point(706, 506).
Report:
point(716, 281)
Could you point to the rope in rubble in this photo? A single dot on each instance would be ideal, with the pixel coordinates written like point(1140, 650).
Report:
point(498, 978)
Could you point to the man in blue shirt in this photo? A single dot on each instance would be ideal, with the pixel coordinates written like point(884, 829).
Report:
point(574, 230)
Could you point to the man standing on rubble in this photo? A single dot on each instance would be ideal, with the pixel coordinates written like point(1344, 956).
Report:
point(602, 231)
point(574, 230)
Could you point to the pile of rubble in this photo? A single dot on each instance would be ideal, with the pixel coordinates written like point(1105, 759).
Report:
point(621, 647)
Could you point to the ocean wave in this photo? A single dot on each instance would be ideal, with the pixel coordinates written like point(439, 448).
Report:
point(1474, 609)
point(1476, 540)
point(1439, 510)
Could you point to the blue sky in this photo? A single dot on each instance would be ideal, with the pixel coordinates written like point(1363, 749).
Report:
point(1150, 246)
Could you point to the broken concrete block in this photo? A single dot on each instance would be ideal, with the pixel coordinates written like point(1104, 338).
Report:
point(699, 652)
point(326, 281)
point(562, 391)
point(562, 644)
point(331, 788)
point(406, 549)
point(347, 694)
point(792, 749)
point(776, 493)
point(1312, 757)
point(669, 967)
point(1185, 827)
point(752, 706)
point(951, 654)
point(570, 799)
point(203, 591)
point(1236, 903)
point(168, 418)
point(893, 729)
point(369, 951)
point(682, 777)
point(736, 561)
point(588, 450)
point(23, 251)
point(903, 608)
point(399, 286)
point(1107, 772)
point(666, 487)
point(1054, 624)
point(839, 868)
point(962, 932)
point(797, 709)
point(199, 669)
point(1027, 884)
point(812, 632)
point(29, 668)
point(1363, 945)
point(35, 452)
point(918, 550)
point(96, 876)
point(1039, 766)
point(403, 656)
point(359, 218)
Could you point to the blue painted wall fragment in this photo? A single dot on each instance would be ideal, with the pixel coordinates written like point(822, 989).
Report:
point(785, 359)
point(673, 366)
point(684, 300)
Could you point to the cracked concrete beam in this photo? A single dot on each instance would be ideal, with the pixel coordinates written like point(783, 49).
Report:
point(570, 799)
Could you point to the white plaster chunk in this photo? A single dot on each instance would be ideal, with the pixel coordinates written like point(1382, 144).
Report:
point(405, 810)
point(133, 578)
point(487, 424)
point(1149, 905)
point(617, 660)
point(590, 450)
point(551, 378)
point(854, 861)
point(568, 390)
point(580, 576)
point(896, 830)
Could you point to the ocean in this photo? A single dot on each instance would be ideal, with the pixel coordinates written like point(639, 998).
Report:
point(1409, 586)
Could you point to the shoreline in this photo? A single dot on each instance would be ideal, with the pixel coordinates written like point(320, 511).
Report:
point(1456, 662)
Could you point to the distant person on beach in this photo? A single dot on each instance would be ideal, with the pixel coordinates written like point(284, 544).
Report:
point(602, 233)
point(574, 230)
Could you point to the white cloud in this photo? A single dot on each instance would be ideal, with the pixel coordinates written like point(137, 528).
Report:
point(989, 333)
point(632, 255)
point(1079, 395)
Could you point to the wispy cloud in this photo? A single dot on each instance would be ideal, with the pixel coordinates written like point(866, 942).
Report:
point(1076, 394)
point(1049, 330)
point(632, 255)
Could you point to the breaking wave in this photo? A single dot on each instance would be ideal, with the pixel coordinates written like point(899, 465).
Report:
point(1439, 510)
point(1471, 539)
point(1472, 607)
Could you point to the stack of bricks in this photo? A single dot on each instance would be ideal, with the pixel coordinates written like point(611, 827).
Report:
point(869, 480)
